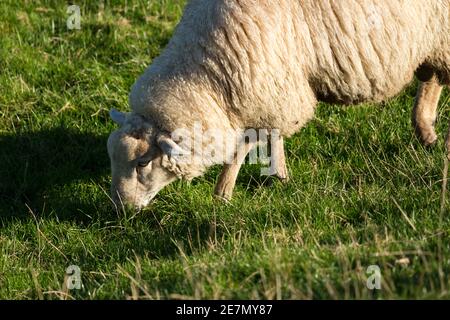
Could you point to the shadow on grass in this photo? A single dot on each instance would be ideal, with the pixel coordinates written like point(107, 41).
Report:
point(55, 173)
point(33, 163)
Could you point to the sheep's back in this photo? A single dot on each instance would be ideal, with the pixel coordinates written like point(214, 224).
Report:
point(269, 61)
point(368, 50)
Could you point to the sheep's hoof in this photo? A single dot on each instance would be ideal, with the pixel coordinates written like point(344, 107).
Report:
point(272, 179)
point(430, 139)
point(426, 135)
point(223, 198)
point(283, 178)
point(224, 189)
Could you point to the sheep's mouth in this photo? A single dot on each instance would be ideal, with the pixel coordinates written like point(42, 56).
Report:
point(120, 202)
point(147, 200)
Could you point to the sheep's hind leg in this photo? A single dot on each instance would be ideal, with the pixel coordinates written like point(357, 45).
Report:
point(425, 111)
point(227, 179)
point(447, 141)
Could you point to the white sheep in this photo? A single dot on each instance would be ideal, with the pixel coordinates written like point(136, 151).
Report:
point(264, 65)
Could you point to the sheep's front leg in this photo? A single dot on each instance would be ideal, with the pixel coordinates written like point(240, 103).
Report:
point(227, 179)
point(279, 158)
point(425, 111)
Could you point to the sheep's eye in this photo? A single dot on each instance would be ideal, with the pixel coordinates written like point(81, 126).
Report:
point(143, 164)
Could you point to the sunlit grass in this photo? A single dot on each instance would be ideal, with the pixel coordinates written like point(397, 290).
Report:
point(363, 191)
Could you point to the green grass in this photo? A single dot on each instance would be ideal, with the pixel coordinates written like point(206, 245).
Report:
point(363, 190)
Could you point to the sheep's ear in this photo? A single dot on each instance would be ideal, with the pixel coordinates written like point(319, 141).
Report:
point(117, 116)
point(170, 147)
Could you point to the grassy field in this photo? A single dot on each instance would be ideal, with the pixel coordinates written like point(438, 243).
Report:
point(363, 190)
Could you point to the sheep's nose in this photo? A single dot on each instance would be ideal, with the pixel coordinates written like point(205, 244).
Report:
point(121, 202)
point(117, 198)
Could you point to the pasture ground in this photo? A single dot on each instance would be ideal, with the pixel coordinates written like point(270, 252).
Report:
point(363, 191)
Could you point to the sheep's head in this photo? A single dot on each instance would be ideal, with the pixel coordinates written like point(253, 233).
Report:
point(143, 160)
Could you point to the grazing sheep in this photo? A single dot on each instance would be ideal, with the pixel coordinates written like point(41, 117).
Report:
point(265, 64)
